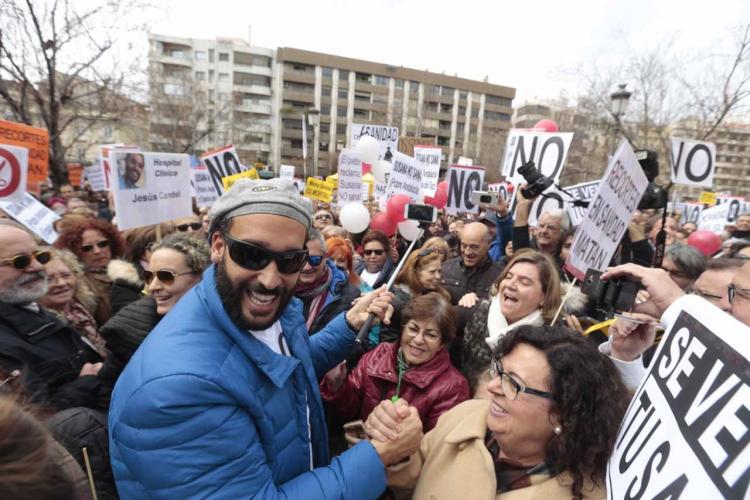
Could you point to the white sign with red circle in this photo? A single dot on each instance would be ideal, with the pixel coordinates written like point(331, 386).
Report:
point(14, 165)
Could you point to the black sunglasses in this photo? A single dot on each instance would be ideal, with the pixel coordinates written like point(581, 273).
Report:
point(376, 252)
point(23, 260)
point(165, 276)
point(100, 244)
point(193, 225)
point(255, 257)
point(314, 260)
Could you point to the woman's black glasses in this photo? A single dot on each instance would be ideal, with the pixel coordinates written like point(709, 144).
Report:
point(165, 276)
point(511, 387)
point(100, 244)
point(23, 260)
point(255, 257)
point(193, 225)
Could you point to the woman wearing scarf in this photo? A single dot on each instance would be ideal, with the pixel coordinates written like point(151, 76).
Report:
point(417, 368)
point(324, 289)
point(527, 293)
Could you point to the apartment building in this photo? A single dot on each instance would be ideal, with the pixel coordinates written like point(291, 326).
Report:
point(465, 117)
point(207, 93)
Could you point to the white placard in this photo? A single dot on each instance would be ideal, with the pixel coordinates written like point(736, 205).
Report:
point(685, 434)
point(204, 189)
point(14, 167)
point(608, 214)
point(715, 218)
point(378, 192)
point(286, 172)
point(150, 188)
point(554, 199)
point(548, 150)
point(464, 161)
point(693, 162)
point(462, 180)
point(405, 178)
point(34, 215)
point(221, 163)
point(94, 175)
point(430, 157)
point(386, 136)
point(350, 178)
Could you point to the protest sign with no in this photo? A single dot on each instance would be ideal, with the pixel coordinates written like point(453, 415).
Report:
point(34, 215)
point(608, 214)
point(686, 433)
point(386, 136)
point(462, 181)
point(36, 140)
point(693, 162)
point(547, 150)
point(161, 192)
point(350, 178)
point(222, 162)
point(14, 162)
point(406, 177)
point(554, 199)
point(430, 157)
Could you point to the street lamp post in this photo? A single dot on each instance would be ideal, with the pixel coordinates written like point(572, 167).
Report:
point(620, 99)
point(311, 117)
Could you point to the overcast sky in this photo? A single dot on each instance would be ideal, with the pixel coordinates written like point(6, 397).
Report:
point(522, 44)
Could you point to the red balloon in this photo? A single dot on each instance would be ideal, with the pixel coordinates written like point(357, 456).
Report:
point(395, 207)
point(443, 185)
point(381, 222)
point(439, 200)
point(707, 242)
point(547, 125)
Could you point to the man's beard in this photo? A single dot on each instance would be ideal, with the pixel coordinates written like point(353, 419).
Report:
point(231, 299)
point(17, 293)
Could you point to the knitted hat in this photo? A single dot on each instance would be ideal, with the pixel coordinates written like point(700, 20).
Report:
point(273, 196)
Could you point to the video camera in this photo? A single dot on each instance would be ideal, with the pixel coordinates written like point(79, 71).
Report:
point(609, 296)
point(655, 196)
point(536, 181)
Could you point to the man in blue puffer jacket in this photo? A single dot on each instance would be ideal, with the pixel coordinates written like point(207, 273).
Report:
point(221, 400)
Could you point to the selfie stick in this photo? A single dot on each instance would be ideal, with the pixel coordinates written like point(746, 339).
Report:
point(362, 335)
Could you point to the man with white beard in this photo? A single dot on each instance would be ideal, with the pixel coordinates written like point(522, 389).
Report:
point(55, 365)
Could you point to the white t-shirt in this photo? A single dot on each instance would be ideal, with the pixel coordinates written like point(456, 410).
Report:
point(273, 337)
point(369, 278)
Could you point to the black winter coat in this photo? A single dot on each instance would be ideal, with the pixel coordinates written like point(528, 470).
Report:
point(49, 355)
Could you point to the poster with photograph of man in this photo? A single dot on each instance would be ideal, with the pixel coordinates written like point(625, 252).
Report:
point(130, 170)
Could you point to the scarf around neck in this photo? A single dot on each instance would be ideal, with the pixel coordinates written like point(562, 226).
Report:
point(498, 326)
point(316, 292)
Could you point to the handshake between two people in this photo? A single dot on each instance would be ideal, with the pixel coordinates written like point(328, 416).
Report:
point(395, 430)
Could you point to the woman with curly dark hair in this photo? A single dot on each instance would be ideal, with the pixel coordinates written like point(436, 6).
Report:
point(96, 243)
point(547, 430)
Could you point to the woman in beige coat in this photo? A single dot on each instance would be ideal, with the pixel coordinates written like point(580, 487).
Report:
point(547, 431)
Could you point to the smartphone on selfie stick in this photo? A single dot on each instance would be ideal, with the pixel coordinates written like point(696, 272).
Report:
point(425, 215)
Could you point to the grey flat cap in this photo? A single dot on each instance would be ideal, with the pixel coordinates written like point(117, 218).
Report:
point(273, 196)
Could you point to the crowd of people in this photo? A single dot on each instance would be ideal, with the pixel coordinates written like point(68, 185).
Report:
point(214, 356)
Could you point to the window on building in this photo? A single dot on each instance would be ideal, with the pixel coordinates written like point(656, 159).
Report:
point(261, 61)
point(327, 72)
point(296, 143)
point(461, 110)
point(446, 108)
point(211, 96)
point(200, 55)
point(210, 55)
point(463, 94)
point(325, 90)
point(363, 77)
point(343, 74)
point(494, 115)
point(380, 98)
point(302, 67)
point(381, 80)
point(223, 77)
point(361, 113)
point(325, 109)
point(343, 93)
point(399, 83)
point(178, 53)
point(341, 111)
point(341, 129)
point(200, 76)
point(474, 112)
point(447, 91)
point(325, 128)
point(362, 96)
point(223, 56)
point(210, 75)
point(414, 87)
point(174, 89)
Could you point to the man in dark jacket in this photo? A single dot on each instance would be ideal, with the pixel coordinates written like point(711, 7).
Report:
point(57, 366)
point(222, 398)
point(323, 288)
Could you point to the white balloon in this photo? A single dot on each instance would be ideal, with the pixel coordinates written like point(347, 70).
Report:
point(380, 169)
point(409, 229)
point(368, 149)
point(354, 217)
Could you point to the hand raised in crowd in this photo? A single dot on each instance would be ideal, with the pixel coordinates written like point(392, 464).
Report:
point(629, 339)
point(468, 300)
point(406, 442)
point(336, 377)
point(377, 302)
point(384, 422)
point(661, 289)
point(501, 208)
point(90, 369)
point(523, 207)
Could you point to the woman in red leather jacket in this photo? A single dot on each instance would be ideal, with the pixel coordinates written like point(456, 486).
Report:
point(417, 368)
